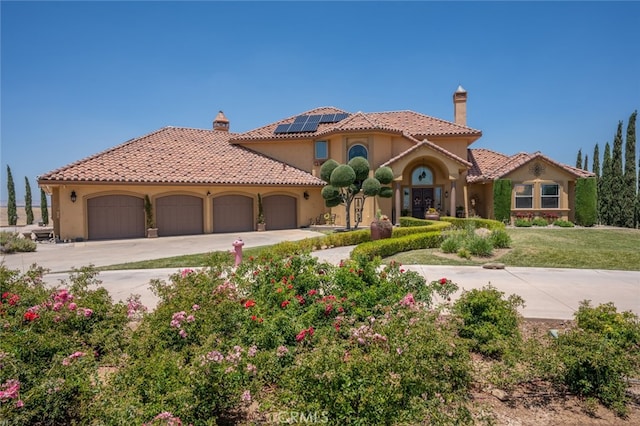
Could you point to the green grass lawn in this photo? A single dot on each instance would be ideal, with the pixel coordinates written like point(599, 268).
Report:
point(584, 248)
point(554, 248)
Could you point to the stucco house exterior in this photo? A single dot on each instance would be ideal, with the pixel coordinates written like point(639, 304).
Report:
point(207, 180)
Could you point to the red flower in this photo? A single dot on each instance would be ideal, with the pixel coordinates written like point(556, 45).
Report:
point(249, 303)
point(327, 310)
point(254, 318)
point(30, 316)
point(443, 281)
point(300, 299)
point(336, 325)
point(312, 292)
point(5, 295)
point(284, 304)
point(14, 299)
point(301, 335)
point(289, 286)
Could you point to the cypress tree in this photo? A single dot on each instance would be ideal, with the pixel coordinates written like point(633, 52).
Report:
point(630, 177)
point(596, 171)
point(27, 201)
point(585, 166)
point(12, 209)
point(579, 159)
point(43, 207)
point(617, 181)
point(604, 188)
point(596, 161)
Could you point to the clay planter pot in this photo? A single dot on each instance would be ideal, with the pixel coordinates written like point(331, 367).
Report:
point(432, 216)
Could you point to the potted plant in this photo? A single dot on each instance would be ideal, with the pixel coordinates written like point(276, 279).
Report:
point(152, 231)
point(460, 211)
point(432, 214)
point(381, 227)
point(261, 226)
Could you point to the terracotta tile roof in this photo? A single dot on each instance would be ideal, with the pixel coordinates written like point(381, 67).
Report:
point(490, 165)
point(431, 145)
point(181, 155)
point(418, 125)
point(267, 132)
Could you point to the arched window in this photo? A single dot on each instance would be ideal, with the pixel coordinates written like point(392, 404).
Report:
point(422, 176)
point(358, 151)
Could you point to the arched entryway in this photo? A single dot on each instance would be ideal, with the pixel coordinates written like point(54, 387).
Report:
point(423, 192)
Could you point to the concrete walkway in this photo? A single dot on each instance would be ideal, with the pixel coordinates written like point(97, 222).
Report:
point(548, 292)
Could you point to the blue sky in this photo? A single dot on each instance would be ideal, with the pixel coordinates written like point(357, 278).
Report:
point(81, 77)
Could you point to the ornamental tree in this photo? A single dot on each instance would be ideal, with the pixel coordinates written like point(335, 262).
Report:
point(12, 209)
point(27, 201)
point(346, 181)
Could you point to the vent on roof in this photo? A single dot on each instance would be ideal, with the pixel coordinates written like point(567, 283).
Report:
point(309, 123)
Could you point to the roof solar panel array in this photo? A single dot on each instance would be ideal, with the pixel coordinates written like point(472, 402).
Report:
point(309, 123)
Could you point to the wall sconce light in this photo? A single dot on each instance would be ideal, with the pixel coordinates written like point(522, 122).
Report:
point(208, 193)
point(74, 197)
point(306, 195)
point(446, 194)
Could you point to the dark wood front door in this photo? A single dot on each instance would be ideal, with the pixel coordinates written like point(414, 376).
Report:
point(422, 200)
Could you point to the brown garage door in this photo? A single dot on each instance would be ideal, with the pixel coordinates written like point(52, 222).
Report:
point(279, 212)
point(179, 215)
point(232, 213)
point(115, 216)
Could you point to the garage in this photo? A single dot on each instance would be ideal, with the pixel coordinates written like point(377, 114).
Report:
point(279, 212)
point(233, 213)
point(179, 215)
point(115, 216)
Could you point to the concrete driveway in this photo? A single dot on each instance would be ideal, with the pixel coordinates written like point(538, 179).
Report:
point(548, 292)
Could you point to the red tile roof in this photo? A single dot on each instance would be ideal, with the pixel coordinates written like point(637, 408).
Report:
point(412, 123)
point(181, 155)
point(490, 165)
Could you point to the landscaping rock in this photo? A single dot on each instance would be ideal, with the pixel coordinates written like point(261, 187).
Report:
point(493, 265)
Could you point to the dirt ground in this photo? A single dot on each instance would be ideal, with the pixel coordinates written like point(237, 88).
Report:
point(22, 216)
point(539, 403)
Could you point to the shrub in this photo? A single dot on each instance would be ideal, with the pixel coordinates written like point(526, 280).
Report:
point(473, 223)
point(586, 201)
point(502, 199)
point(12, 242)
point(479, 246)
point(489, 321)
point(500, 238)
point(523, 223)
point(391, 246)
point(538, 221)
point(452, 243)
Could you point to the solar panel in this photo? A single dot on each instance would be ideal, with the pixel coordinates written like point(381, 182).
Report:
point(295, 127)
point(327, 118)
point(301, 119)
point(314, 118)
point(340, 117)
point(282, 128)
point(309, 126)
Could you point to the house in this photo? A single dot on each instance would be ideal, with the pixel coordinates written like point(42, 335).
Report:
point(207, 180)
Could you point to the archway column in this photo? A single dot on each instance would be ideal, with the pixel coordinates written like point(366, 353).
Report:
point(452, 198)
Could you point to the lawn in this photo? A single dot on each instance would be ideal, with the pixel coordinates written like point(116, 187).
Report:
point(584, 248)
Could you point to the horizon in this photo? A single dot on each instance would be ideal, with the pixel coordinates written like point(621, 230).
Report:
point(549, 77)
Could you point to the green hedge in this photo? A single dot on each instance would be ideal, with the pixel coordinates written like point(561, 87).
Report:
point(502, 200)
point(391, 246)
point(586, 201)
point(432, 226)
point(462, 223)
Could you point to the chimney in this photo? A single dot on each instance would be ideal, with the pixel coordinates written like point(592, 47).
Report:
point(460, 106)
point(220, 122)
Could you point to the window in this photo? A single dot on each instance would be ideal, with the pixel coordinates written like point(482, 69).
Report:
point(524, 196)
point(550, 196)
point(358, 151)
point(322, 151)
point(422, 176)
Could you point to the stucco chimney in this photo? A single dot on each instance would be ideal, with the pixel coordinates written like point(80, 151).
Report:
point(460, 106)
point(220, 122)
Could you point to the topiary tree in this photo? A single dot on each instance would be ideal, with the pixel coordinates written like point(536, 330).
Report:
point(502, 200)
point(346, 181)
point(27, 201)
point(44, 210)
point(586, 201)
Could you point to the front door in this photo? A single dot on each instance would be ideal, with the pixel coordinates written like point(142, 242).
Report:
point(422, 200)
